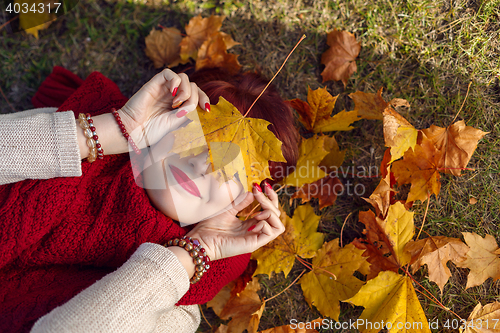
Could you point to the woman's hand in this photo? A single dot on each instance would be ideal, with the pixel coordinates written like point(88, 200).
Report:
point(148, 115)
point(225, 235)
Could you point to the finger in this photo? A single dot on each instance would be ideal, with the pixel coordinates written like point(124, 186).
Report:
point(166, 77)
point(264, 201)
point(190, 104)
point(204, 101)
point(183, 92)
point(271, 194)
point(267, 229)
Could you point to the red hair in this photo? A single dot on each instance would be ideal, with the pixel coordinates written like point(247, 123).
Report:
point(241, 90)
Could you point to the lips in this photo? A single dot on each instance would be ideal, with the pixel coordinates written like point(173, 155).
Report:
point(184, 181)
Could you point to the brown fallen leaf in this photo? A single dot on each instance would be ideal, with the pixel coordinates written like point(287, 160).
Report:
point(457, 143)
point(340, 57)
point(213, 53)
point(473, 201)
point(244, 308)
point(325, 190)
point(483, 319)
point(222, 329)
point(435, 252)
point(369, 106)
point(308, 327)
point(162, 47)
point(381, 198)
point(482, 259)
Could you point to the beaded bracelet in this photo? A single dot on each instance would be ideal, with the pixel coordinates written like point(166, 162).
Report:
point(95, 149)
point(124, 131)
point(197, 252)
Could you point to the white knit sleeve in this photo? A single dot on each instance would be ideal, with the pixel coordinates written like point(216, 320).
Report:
point(140, 296)
point(38, 144)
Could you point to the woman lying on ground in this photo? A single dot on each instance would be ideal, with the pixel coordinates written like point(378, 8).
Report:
point(84, 251)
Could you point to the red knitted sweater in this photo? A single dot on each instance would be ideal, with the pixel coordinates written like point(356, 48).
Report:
point(58, 236)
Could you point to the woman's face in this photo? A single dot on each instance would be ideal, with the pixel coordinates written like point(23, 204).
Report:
point(185, 189)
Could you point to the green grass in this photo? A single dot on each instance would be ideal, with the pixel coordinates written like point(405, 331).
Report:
point(424, 51)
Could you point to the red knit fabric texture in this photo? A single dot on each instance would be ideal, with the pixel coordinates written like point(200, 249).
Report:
point(58, 236)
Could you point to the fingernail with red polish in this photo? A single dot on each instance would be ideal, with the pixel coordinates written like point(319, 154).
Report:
point(207, 107)
point(267, 185)
point(257, 187)
point(176, 105)
point(181, 113)
point(251, 228)
point(174, 92)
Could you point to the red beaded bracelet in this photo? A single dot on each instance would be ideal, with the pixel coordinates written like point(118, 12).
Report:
point(197, 252)
point(124, 131)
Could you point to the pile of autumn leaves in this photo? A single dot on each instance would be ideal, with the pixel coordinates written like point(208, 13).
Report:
point(389, 247)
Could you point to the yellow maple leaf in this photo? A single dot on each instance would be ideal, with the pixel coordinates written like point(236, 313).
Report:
point(311, 153)
point(483, 319)
point(316, 113)
point(34, 21)
point(399, 228)
point(325, 291)
point(389, 301)
point(399, 134)
point(299, 239)
point(225, 123)
point(435, 252)
point(335, 156)
point(245, 308)
point(482, 259)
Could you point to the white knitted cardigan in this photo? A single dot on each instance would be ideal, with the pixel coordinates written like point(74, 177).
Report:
point(139, 296)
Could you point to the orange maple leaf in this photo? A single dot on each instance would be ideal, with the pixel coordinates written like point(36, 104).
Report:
point(245, 308)
point(213, 53)
point(386, 239)
point(340, 57)
point(198, 30)
point(369, 106)
point(420, 167)
point(457, 142)
point(376, 246)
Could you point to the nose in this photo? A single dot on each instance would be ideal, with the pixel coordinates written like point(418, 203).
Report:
point(199, 164)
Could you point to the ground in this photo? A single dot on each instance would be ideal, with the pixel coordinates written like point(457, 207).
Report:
point(424, 51)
